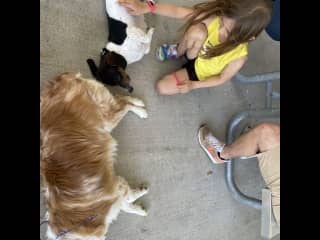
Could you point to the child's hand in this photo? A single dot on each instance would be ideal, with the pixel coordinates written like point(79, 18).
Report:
point(134, 7)
point(185, 86)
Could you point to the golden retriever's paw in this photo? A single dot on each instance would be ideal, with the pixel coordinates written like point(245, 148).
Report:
point(137, 102)
point(144, 211)
point(144, 113)
point(143, 188)
point(141, 112)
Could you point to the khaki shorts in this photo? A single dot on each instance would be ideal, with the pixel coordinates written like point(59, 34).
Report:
point(269, 163)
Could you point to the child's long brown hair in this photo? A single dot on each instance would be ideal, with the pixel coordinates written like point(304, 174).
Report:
point(251, 17)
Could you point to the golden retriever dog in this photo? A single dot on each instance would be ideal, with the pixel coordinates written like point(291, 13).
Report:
point(83, 193)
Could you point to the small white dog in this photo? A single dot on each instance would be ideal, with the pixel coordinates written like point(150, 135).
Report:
point(128, 35)
point(128, 41)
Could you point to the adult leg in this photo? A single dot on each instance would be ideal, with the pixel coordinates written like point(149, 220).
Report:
point(261, 138)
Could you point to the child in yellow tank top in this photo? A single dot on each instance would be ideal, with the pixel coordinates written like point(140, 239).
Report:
point(206, 68)
point(215, 41)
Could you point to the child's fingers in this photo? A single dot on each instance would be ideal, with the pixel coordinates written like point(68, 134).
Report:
point(124, 3)
point(129, 6)
point(120, 2)
point(182, 88)
point(129, 10)
point(181, 85)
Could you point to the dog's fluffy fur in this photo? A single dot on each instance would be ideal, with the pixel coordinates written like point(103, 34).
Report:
point(137, 39)
point(129, 40)
point(77, 156)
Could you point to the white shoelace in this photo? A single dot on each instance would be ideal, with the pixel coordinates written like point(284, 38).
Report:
point(215, 143)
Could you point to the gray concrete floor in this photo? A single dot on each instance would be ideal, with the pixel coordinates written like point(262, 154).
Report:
point(185, 202)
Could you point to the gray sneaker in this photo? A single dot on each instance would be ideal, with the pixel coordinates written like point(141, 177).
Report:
point(210, 144)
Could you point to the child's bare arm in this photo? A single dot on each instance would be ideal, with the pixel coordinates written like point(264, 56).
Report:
point(135, 7)
point(231, 69)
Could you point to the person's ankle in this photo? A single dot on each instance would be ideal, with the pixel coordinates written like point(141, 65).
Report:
point(224, 155)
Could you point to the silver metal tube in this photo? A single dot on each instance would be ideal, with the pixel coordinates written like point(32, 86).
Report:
point(235, 192)
point(269, 95)
point(229, 166)
point(257, 78)
point(234, 130)
point(236, 125)
point(275, 95)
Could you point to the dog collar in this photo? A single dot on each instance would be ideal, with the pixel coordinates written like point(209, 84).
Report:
point(63, 233)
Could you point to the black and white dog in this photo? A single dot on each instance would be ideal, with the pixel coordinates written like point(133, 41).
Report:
point(129, 40)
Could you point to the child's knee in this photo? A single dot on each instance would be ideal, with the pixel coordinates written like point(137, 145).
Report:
point(198, 32)
point(192, 53)
point(162, 86)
